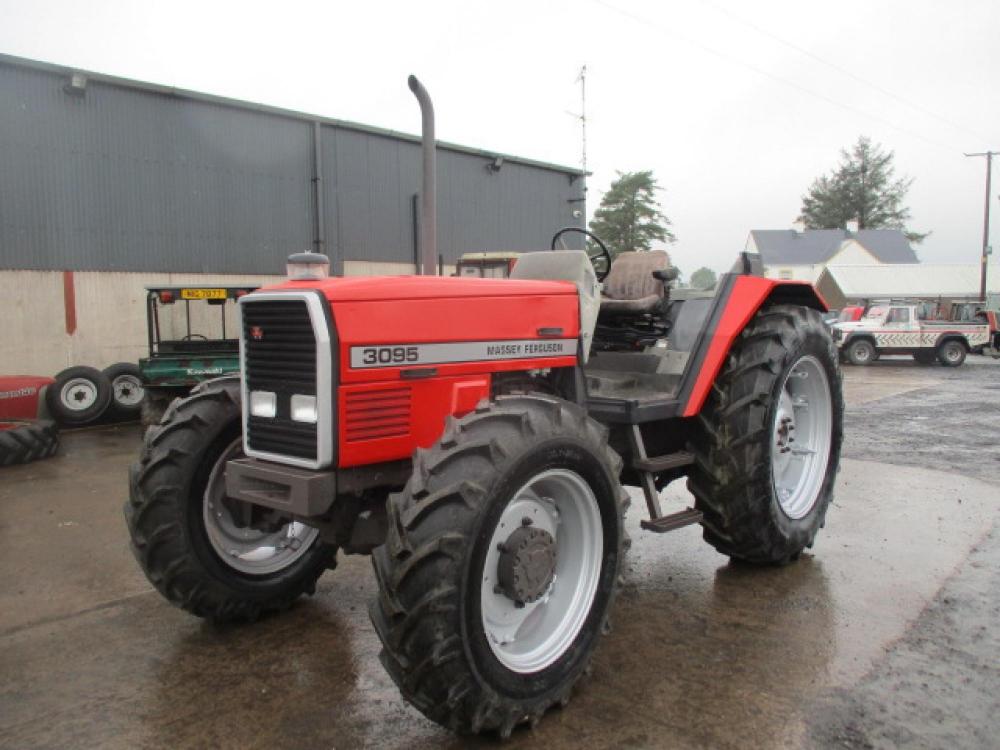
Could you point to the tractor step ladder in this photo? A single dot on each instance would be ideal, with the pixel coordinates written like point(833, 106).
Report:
point(647, 466)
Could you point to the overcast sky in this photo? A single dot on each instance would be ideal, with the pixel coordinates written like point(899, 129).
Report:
point(736, 106)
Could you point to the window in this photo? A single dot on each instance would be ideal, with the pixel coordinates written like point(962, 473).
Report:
point(785, 273)
point(899, 315)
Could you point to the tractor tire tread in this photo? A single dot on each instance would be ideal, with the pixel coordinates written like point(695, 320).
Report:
point(30, 440)
point(417, 613)
point(158, 492)
point(731, 476)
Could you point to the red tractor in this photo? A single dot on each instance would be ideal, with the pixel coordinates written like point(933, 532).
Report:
point(477, 437)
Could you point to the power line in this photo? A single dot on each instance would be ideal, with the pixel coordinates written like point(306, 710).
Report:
point(767, 74)
point(839, 69)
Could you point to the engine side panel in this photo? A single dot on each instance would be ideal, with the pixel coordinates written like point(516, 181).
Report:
point(408, 364)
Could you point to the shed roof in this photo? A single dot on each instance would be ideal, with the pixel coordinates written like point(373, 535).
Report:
point(903, 280)
point(813, 246)
point(23, 62)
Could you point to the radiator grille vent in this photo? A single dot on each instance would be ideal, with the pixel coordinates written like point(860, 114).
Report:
point(280, 356)
point(377, 414)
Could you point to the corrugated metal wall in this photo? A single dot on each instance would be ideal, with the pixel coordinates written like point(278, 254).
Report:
point(133, 178)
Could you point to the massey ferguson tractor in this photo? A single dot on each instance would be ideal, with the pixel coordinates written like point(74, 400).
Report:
point(478, 438)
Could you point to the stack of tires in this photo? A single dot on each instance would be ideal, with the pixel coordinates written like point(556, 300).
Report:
point(83, 395)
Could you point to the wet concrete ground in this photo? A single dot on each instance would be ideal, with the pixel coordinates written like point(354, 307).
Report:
point(883, 636)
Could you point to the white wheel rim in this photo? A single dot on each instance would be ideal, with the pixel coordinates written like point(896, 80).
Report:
point(862, 353)
point(128, 390)
point(529, 638)
point(802, 433)
point(952, 353)
point(245, 549)
point(78, 394)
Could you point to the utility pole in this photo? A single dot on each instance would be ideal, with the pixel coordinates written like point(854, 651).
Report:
point(582, 78)
point(986, 222)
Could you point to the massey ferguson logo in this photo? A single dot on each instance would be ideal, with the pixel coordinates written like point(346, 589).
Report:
point(256, 333)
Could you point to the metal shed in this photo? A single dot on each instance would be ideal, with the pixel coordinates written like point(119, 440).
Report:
point(107, 174)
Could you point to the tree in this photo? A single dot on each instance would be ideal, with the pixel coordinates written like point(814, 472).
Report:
point(703, 278)
point(629, 217)
point(862, 188)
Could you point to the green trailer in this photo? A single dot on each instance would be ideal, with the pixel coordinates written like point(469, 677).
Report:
point(188, 342)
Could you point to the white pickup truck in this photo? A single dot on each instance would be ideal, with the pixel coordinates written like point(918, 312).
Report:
point(895, 329)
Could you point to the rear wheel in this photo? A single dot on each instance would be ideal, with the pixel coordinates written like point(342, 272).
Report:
point(500, 564)
point(951, 353)
point(768, 440)
point(209, 554)
point(861, 352)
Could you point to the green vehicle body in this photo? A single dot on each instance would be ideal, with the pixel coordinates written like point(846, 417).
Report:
point(207, 349)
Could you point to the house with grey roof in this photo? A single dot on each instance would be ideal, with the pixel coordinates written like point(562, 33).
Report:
point(803, 255)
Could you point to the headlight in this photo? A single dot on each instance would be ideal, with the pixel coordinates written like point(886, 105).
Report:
point(307, 266)
point(304, 409)
point(263, 404)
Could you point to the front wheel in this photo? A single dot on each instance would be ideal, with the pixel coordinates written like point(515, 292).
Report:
point(216, 557)
point(767, 441)
point(500, 564)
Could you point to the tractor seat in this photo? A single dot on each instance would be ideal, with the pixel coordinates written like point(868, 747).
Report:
point(631, 288)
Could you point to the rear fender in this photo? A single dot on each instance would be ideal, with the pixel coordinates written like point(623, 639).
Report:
point(740, 298)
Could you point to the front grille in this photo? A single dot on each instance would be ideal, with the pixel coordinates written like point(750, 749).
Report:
point(280, 356)
point(377, 414)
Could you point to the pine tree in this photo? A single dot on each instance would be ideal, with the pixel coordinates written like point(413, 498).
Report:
point(862, 188)
point(629, 217)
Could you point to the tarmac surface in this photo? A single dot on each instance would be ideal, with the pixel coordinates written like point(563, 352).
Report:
point(884, 635)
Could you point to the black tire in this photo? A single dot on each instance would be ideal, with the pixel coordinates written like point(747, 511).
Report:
point(731, 478)
point(72, 383)
point(165, 519)
point(951, 353)
point(26, 440)
point(428, 614)
point(861, 352)
point(127, 393)
point(925, 357)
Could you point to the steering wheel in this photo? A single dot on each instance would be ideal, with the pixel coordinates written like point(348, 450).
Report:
point(600, 259)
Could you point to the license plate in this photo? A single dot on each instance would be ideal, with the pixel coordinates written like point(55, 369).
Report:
point(203, 293)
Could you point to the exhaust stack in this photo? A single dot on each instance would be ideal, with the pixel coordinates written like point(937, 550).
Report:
point(428, 198)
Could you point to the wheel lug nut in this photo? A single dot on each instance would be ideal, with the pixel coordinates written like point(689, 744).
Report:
point(519, 605)
point(526, 521)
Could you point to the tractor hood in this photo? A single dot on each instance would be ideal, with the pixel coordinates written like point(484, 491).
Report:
point(378, 288)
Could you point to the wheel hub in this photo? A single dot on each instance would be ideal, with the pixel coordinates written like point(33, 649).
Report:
point(527, 564)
